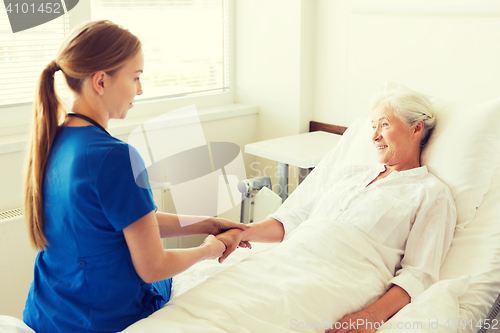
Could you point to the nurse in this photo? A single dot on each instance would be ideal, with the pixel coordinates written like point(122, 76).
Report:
point(101, 265)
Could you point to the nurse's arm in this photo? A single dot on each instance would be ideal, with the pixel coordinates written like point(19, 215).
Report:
point(153, 263)
point(194, 225)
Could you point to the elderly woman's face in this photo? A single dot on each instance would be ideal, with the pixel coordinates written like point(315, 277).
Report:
point(393, 139)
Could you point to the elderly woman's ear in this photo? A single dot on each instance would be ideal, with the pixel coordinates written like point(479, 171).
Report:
point(419, 128)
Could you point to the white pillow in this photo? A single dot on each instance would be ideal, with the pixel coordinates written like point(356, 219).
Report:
point(463, 150)
point(10, 324)
point(434, 310)
point(354, 148)
point(476, 251)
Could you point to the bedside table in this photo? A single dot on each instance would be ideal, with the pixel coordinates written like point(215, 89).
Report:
point(302, 150)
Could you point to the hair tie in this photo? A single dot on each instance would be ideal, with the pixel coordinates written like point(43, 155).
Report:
point(430, 116)
point(54, 66)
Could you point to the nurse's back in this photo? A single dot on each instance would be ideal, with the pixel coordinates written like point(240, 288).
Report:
point(84, 280)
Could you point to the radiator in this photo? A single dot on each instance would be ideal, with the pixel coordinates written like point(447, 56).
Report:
point(16, 262)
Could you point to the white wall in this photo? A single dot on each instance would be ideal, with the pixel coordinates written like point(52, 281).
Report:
point(16, 260)
point(11, 180)
point(317, 60)
point(450, 56)
point(275, 67)
point(274, 61)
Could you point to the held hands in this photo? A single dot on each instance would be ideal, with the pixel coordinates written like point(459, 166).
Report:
point(215, 248)
point(229, 234)
point(219, 225)
point(232, 239)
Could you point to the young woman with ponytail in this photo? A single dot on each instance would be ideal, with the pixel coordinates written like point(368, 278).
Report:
point(101, 265)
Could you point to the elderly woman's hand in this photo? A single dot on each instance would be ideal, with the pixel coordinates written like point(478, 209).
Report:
point(375, 315)
point(232, 239)
point(360, 322)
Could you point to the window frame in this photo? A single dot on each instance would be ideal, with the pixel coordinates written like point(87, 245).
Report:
point(16, 118)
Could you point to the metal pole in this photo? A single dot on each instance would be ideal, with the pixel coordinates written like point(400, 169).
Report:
point(282, 178)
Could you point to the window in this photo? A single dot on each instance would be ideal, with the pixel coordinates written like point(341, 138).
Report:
point(25, 54)
point(185, 44)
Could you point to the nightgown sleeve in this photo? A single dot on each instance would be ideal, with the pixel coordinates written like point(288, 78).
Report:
point(428, 242)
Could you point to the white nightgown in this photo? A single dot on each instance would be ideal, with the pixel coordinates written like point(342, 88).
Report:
point(409, 217)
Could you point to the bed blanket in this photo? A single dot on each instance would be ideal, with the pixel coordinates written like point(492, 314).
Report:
point(321, 272)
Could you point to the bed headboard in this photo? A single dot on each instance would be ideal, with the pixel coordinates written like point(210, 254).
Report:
point(317, 126)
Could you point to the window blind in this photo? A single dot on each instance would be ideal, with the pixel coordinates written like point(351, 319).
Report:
point(23, 56)
point(185, 43)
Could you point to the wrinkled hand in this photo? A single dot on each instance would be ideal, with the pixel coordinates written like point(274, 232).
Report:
point(232, 239)
point(219, 225)
point(359, 322)
point(216, 247)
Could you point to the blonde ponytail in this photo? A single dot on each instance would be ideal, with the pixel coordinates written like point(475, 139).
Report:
point(45, 124)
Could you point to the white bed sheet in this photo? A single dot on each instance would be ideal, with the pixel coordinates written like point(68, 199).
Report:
point(289, 287)
point(10, 324)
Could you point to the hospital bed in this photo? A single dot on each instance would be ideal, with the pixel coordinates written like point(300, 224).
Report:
point(250, 292)
point(464, 153)
point(237, 296)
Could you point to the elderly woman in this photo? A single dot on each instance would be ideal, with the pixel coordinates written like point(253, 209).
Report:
point(402, 210)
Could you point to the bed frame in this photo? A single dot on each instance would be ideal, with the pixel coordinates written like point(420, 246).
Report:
point(318, 126)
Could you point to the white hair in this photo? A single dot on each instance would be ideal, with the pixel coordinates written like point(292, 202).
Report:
point(411, 107)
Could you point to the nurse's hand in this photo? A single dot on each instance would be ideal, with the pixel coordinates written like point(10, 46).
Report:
point(214, 247)
point(219, 225)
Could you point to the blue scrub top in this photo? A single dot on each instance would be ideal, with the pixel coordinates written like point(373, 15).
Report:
point(85, 280)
